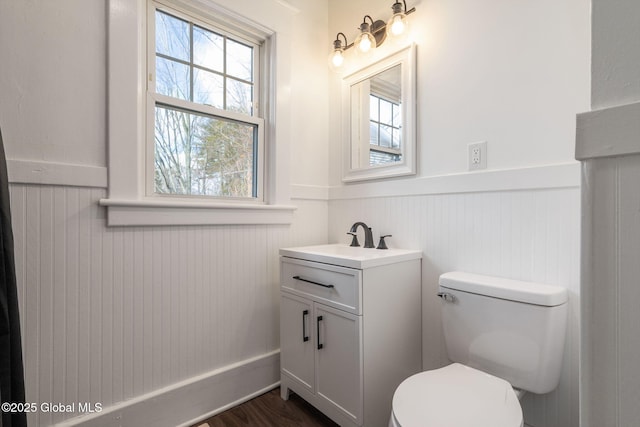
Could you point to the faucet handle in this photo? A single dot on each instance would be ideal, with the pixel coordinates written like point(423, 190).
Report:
point(383, 244)
point(354, 241)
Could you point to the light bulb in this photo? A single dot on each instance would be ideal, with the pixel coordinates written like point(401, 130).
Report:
point(365, 43)
point(336, 60)
point(397, 25)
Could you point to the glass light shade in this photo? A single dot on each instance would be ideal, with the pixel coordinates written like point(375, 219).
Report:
point(397, 26)
point(336, 60)
point(365, 43)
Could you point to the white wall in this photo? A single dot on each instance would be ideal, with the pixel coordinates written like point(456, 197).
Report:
point(610, 380)
point(113, 313)
point(530, 235)
point(509, 73)
point(53, 80)
point(134, 316)
point(616, 53)
point(609, 145)
point(309, 87)
point(514, 74)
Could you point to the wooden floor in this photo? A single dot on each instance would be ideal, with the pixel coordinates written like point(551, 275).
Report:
point(269, 410)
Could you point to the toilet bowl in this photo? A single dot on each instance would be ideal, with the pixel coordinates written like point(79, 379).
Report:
point(500, 334)
point(455, 396)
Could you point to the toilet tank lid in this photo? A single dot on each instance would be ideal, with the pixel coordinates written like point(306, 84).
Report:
point(509, 289)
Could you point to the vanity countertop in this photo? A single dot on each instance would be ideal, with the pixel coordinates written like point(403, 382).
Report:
point(352, 257)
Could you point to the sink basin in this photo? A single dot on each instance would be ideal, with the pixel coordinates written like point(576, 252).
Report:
point(353, 257)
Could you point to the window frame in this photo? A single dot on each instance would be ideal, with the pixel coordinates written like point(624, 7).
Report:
point(154, 99)
point(127, 202)
point(379, 123)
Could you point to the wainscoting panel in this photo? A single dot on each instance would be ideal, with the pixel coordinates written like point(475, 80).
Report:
point(611, 284)
point(113, 313)
point(529, 235)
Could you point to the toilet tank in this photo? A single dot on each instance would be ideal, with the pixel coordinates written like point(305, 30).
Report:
point(511, 329)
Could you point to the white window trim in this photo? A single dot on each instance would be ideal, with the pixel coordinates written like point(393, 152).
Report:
point(153, 98)
point(128, 202)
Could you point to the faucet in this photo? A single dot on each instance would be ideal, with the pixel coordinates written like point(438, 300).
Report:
point(368, 236)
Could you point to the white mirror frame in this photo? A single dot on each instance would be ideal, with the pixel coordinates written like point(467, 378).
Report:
point(406, 57)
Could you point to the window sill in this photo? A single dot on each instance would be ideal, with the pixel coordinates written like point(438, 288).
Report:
point(124, 212)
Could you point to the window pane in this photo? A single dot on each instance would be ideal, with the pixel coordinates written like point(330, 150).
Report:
point(373, 108)
point(373, 133)
point(379, 157)
point(208, 88)
point(239, 60)
point(397, 117)
point(172, 78)
point(172, 36)
point(239, 96)
point(208, 49)
point(202, 155)
point(385, 136)
point(395, 142)
point(385, 112)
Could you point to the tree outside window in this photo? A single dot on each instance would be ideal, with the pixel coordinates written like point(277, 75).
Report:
point(206, 133)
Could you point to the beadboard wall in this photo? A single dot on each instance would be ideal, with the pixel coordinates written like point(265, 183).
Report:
point(529, 235)
point(611, 248)
point(608, 144)
point(112, 313)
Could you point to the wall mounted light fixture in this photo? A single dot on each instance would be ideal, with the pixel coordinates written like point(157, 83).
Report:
point(372, 34)
point(397, 24)
point(366, 40)
point(336, 58)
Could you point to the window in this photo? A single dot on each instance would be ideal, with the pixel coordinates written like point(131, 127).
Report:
point(205, 136)
point(191, 122)
point(384, 130)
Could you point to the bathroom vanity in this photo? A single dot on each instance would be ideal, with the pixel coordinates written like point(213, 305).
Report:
point(350, 328)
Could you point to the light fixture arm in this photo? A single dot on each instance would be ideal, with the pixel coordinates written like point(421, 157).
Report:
point(337, 43)
point(376, 29)
point(364, 21)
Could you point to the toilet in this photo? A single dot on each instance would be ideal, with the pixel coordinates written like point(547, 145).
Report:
point(504, 337)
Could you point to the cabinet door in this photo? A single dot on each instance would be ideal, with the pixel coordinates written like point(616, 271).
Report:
point(339, 360)
point(297, 339)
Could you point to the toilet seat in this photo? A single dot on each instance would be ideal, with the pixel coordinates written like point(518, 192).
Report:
point(455, 396)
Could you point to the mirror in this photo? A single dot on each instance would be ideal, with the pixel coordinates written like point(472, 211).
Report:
point(379, 126)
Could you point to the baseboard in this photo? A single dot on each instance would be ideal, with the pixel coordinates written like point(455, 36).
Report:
point(190, 401)
point(233, 404)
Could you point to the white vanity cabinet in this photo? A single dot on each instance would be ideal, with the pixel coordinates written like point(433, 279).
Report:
point(350, 328)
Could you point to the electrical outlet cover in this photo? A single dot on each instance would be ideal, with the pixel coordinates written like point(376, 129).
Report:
point(477, 155)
